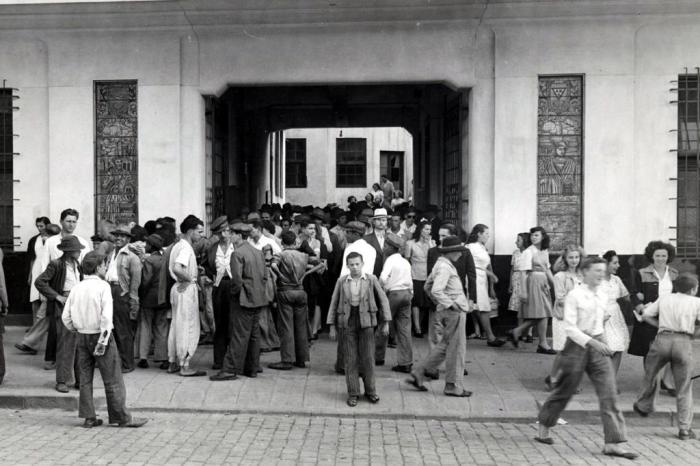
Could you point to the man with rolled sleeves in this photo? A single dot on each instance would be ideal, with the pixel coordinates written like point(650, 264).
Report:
point(248, 285)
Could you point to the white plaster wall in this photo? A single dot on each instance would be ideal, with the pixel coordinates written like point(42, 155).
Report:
point(321, 156)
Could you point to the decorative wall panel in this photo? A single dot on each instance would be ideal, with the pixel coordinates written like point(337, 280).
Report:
point(116, 151)
point(560, 159)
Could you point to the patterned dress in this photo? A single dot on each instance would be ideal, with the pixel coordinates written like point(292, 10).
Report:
point(516, 282)
point(615, 330)
point(539, 293)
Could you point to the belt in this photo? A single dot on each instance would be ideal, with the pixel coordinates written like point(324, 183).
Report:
point(113, 283)
point(673, 332)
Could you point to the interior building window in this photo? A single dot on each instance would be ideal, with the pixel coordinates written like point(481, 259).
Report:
point(688, 174)
point(351, 162)
point(6, 149)
point(295, 163)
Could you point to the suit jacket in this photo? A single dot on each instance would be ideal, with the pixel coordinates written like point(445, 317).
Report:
point(50, 283)
point(465, 269)
point(248, 276)
point(129, 273)
point(150, 280)
point(372, 300)
point(379, 261)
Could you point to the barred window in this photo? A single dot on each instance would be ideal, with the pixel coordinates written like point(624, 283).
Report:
point(688, 175)
point(6, 150)
point(351, 162)
point(295, 163)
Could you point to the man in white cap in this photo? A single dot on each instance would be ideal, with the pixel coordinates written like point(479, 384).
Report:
point(377, 237)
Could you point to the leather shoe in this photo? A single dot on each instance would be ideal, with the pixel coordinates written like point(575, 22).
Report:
point(541, 350)
point(126, 370)
point(374, 399)
point(62, 388)
point(220, 376)
point(134, 422)
point(639, 411)
point(25, 348)
point(173, 367)
point(352, 401)
point(686, 434)
point(405, 369)
point(432, 375)
point(300, 365)
point(281, 366)
point(90, 423)
point(143, 364)
point(496, 343)
point(251, 375)
point(164, 365)
point(414, 381)
point(379, 363)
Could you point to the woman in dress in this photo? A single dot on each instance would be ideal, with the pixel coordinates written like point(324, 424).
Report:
point(536, 291)
point(516, 279)
point(416, 252)
point(615, 331)
point(476, 243)
point(314, 283)
point(35, 249)
point(568, 276)
point(651, 283)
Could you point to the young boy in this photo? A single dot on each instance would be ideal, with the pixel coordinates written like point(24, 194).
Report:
point(88, 311)
point(356, 300)
point(677, 316)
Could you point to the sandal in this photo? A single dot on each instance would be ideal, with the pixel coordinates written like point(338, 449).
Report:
point(352, 401)
point(374, 399)
point(464, 394)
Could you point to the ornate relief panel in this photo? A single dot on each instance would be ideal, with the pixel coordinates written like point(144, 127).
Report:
point(116, 151)
point(560, 158)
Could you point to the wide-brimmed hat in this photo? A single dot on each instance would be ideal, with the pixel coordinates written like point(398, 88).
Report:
point(70, 243)
point(451, 244)
point(357, 227)
point(155, 240)
point(122, 230)
point(319, 214)
point(218, 223)
point(241, 227)
point(392, 239)
point(380, 213)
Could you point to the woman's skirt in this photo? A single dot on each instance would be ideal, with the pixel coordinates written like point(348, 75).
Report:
point(515, 304)
point(539, 297)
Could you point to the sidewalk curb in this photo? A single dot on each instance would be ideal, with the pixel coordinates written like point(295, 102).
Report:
point(70, 403)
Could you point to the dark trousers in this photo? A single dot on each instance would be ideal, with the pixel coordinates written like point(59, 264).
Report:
point(400, 325)
point(293, 318)
point(123, 328)
point(52, 332)
point(66, 350)
point(574, 361)
point(110, 369)
point(359, 355)
point(221, 297)
point(243, 354)
point(153, 326)
point(340, 350)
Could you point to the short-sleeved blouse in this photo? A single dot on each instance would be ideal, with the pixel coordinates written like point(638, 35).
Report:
point(417, 252)
point(535, 260)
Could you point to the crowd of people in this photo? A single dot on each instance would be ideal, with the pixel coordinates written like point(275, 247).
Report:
point(371, 276)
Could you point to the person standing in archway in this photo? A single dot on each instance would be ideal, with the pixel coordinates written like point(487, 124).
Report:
point(388, 190)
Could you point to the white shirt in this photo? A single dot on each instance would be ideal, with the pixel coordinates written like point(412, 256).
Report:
point(265, 241)
point(72, 276)
point(396, 274)
point(223, 263)
point(368, 253)
point(88, 308)
point(678, 312)
point(406, 231)
point(665, 284)
point(380, 238)
point(584, 313)
point(112, 275)
point(51, 251)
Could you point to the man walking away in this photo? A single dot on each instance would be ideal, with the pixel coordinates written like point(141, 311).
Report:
point(88, 311)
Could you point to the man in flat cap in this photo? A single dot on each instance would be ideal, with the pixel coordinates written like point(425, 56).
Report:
point(248, 296)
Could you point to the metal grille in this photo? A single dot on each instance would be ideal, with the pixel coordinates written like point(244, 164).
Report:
point(351, 162)
point(116, 151)
point(560, 159)
point(688, 243)
point(6, 155)
point(295, 163)
point(452, 194)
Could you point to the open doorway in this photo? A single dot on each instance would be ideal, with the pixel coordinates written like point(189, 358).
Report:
point(255, 147)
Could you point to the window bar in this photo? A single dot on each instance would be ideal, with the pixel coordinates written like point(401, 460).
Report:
point(697, 158)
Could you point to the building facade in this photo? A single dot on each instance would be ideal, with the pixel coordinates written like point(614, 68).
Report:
point(581, 116)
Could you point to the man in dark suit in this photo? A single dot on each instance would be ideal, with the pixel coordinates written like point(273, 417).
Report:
point(377, 237)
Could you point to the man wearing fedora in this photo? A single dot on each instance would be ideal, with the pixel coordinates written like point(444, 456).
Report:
point(55, 283)
point(153, 322)
point(377, 238)
point(445, 289)
point(124, 278)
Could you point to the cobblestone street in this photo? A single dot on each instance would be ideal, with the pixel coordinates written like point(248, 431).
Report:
point(53, 437)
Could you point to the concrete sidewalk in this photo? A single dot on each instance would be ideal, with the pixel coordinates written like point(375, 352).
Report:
point(507, 385)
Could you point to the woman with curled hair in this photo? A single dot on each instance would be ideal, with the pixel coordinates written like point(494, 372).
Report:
point(651, 283)
point(536, 290)
point(615, 332)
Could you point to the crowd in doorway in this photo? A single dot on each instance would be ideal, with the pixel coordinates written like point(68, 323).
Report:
point(371, 277)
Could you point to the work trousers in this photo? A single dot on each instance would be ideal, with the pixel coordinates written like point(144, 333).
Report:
point(676, 349)
point(293, 318)
point(66, 344)
point(243, 354)
point(52, 332)
point(451, 348)
point(400, 304)
point(110, 367)
point(207, 317)
point(340, 350)
point(221, 298)
point(574, 361)
point(153, 326)
point(359, 355)
point(123, 328)
point(38, 330)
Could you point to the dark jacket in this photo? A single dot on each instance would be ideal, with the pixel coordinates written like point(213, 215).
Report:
point(248, 276)
point(50, 282)
point(465, 269)
point(166, 281)
point(150, 280)
point(31, 255)
point(379, 261)
point(646, 284)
